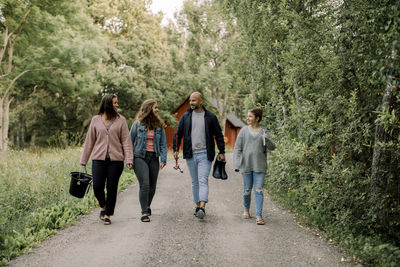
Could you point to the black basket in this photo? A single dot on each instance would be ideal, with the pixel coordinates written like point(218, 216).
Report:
point(80, 184)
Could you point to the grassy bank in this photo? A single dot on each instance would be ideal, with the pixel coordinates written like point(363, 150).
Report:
point(34, 197)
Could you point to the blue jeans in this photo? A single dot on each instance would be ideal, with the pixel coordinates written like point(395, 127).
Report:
point(199, 167)
point(253, 180)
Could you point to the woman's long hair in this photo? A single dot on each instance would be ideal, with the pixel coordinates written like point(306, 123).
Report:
point(147, 116)
point(106, 107)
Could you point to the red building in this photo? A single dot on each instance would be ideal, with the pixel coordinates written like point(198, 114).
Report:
point(179, 111)
point(232, 126)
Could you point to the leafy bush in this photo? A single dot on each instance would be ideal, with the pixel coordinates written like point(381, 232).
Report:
point(331, 195)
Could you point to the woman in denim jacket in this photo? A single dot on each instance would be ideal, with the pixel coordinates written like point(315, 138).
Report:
point(149, 143)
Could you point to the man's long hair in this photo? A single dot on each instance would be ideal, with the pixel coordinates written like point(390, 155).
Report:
point(147, 116)
point(106, 107)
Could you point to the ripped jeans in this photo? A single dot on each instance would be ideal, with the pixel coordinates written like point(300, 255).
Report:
point(253, 180)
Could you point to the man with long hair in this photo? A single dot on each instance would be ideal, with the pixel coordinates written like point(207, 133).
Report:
point(199, 128)
point(149, 143)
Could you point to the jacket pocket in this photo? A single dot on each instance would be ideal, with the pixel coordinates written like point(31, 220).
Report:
point(140, 132)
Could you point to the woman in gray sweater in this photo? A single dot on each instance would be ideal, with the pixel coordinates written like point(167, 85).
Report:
point(250, 157)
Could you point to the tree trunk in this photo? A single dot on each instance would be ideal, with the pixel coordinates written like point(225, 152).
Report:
point(6, 120)
point(1, 123)
point(5, 42)
point(10, 56)
point(33, 139)
point(224, 111)
point(223, 124)
point(9, 37)
point(381, 161)
point(21, 134)
point(65, 140)
point(17, 142)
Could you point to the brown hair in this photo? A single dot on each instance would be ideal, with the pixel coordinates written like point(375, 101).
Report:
point(258, 111)
point(147, 116)
point(106, 106)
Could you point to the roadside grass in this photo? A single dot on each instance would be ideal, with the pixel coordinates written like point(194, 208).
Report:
point(35, 200)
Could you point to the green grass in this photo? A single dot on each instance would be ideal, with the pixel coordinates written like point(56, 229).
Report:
point(34, 197)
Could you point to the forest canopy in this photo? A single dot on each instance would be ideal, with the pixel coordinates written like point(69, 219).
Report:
point(326, 73)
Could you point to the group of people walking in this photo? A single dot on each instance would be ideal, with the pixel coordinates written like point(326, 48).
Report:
point(109, 143)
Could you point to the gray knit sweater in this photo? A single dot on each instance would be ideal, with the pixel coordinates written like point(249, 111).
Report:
point(248, 154)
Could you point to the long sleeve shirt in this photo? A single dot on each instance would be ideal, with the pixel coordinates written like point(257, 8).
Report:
point(248, 154)
point(116, 140)
point(213, 135)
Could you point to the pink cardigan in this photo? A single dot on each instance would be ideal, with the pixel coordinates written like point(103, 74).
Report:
point(117, 139)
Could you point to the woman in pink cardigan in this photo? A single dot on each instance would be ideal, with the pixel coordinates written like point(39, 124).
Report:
point(108, 141)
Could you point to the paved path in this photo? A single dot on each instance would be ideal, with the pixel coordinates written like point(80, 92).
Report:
point(175, 237)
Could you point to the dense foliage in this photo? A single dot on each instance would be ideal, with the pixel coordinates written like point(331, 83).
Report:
point(69, 53)
point(34, 198)
point(327, 75)
point(325, 71)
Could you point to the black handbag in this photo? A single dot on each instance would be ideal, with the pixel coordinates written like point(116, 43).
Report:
point(219, 169)
point(80, 183)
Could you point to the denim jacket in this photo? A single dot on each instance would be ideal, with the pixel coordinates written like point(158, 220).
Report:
point(139, 140)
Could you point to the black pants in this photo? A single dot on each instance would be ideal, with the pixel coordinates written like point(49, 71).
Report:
point(146, 171)
point(106, 171)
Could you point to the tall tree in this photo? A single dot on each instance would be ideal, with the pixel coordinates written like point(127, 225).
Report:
point(212, 54)
point(49, 46)
point(139, 65)
point(327, 74)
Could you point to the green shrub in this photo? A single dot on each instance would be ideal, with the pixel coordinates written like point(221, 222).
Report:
point(332, 194)
point(35, 200)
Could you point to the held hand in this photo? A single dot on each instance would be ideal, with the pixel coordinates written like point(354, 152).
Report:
point(263, 137)
point(176, 155)
point(221, 156)
point(129, 165)
point(162, 165)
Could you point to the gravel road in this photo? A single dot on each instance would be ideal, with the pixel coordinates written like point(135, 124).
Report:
point(174, 237)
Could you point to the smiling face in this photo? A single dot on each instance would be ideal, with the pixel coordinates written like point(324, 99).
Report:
point(251, 119)
point(115, 103)
point(155, 109)
point(195, 101)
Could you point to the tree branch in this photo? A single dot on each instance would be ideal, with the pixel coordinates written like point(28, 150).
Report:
point(21, 22)
point(7, 35)
point(10, 86)
point(3, 49)
point(10, 57)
